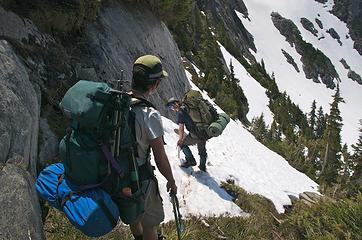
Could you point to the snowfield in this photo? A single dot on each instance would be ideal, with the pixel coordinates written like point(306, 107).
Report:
point(302, 91)
point(236, 155)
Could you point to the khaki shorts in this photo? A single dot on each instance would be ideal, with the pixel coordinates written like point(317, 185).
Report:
point(153, 214)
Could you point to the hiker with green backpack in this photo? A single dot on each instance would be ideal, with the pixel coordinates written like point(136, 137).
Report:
point(201, 120)
point(105, 173)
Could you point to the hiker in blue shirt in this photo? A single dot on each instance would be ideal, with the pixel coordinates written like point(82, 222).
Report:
point(185, 140)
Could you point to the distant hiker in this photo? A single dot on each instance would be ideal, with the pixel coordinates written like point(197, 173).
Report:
point(201, 120)
point(147, 75)
point(184, 120)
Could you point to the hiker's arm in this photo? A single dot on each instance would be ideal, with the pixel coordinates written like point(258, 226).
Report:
point(181, 132)
point(162, 162)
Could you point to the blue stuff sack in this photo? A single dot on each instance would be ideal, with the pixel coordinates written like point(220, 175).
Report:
point(47, 183)
point(92, 211)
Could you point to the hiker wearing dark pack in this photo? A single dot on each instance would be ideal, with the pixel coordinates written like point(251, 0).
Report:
point(201, 120)
point(147, 75)
point(196, 135)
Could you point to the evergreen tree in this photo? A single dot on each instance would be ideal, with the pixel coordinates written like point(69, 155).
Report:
point(320, 124)
point(298, 155)
point(332, 137)
point(357, 157)
point(274, 133)
point(313, 117)
point(232, 77)
point(263, 66)
point(313, 157)
point(210, 61)
point(347, 165)
point(258, 128)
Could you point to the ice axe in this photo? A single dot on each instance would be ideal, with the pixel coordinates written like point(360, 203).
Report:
point(180, 227)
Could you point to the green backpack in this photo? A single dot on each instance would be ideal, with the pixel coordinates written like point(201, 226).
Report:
point(201, 112)
point(99, 148)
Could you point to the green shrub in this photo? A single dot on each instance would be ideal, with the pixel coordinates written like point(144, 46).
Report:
point(327, 219)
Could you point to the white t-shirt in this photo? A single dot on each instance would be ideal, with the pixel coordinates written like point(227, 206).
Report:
point(148, 126)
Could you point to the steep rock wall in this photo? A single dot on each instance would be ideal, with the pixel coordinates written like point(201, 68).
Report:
point(121, 34)
point(222, 13)
point(350, 12)
point(19, 124)
point(34, 64)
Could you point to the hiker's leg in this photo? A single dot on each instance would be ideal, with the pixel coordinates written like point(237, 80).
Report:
point(136, 230)
point(189, 140)
point(150, 233)
point(154, 213)
point(201, 147)
point(186, 150)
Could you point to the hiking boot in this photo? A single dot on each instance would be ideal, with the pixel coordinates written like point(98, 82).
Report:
point(189, 163)
point(202, 168)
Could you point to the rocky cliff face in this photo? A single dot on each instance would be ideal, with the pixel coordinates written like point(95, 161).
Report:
point(316, 65)
point(222, 15)
point(350, 12)
point(121, 34)
point(19, 125)
point(36, 69)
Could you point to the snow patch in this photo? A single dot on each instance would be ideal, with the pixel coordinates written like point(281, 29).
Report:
point(302, 91)
point(235, 154)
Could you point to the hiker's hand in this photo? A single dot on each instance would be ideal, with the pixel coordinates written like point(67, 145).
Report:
point(171, 186)
point(179, 142)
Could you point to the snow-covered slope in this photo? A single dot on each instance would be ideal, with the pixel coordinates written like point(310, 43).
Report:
point(269, 43)
point(236, 155)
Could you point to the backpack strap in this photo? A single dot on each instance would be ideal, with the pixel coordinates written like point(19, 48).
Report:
point(147, 168)
point(141, 102)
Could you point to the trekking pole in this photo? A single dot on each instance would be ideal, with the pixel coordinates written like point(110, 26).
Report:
point(116, 118)
point(180, 227)
point(178, 152)
point(133, 165)
point(119, 87)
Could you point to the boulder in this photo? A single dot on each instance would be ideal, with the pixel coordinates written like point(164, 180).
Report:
point(309, 198)
point(20, 214)
point(48, 146)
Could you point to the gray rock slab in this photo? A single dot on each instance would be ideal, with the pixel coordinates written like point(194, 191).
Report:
point(121, 34)
point(20, 211)
point(19, 110)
